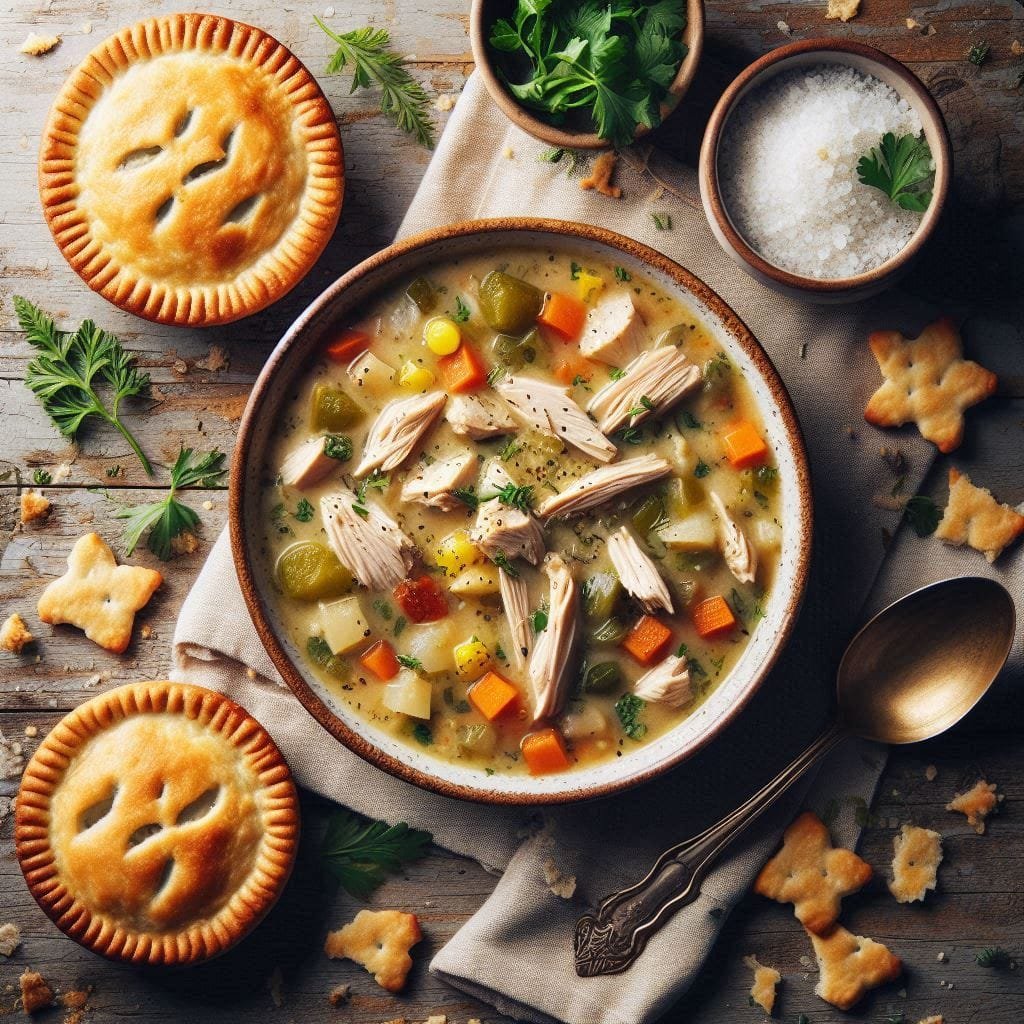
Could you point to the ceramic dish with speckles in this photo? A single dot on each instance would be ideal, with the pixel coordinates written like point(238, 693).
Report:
point(340, 675)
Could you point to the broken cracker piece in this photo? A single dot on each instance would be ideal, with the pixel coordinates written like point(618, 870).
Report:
point(844, 10)
point(97, 595)
point(927, 382)
point(338, 995)
point(936, 1019)
point(14, 634)
point(35, 45)
point(975, 518)
point(185, 543)
point(977, 803)
point(600, 177)
point(812, 875)
point(918, 853)
point(76, 998)
point(33, 506)
point(765, 981)
point(850, 965)
point(559, 884)
point(437, 1018)
point(10, 938)
point(378, 940)
point(36, 994)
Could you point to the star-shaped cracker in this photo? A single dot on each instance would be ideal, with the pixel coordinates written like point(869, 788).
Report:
point(380, 941)
point(927, 382)
point(850, 965)
point(918, 853)
point(809, 873)
point(975, 518)
point(97, 595)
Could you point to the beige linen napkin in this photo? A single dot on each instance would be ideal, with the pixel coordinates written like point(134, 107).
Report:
point(516, 952)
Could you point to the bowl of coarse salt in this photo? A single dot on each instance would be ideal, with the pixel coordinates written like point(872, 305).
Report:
point(824, 169)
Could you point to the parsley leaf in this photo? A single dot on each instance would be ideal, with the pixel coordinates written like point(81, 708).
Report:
point(304, 512)
point(169, 518)
point(923, 514)
point(629, 708)
point(621, 274)
point(662, 221)
point(616, 374)
point(359, 854)
point(41, 477)
point(338, 446)
point(461, 314)
point(501, 561)
point(978, 53)
point(701, 470)
point(408, 661)
point(69, 369)
point(902, 168)
point(421, 734)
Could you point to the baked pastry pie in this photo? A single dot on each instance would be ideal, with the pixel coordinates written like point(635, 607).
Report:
point(157, 823)
point(191, 169)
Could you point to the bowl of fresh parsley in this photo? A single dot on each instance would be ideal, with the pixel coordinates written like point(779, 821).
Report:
point(591, 74)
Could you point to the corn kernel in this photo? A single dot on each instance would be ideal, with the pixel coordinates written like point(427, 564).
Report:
point(472, 659)
point(414, 377)
point(456, 552)
point(589, 285)
point(442, 336)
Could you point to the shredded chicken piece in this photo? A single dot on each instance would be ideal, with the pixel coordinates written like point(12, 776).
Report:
point(307, 465)
point(398, 429)
point(515, 597)
point(551, 664)
point(638, 573)
point(505, 530)
point(603, 484)
point(479, 416)
point(614, 332)
point(667, 683)
point(374, 549)
point(549, 409)
point(739, 554)
point(654, 382)
point(433, 485)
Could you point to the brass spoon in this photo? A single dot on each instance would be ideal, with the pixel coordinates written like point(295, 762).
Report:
point(911, 673)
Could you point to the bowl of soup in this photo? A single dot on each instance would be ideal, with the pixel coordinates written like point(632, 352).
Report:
point(521, 511)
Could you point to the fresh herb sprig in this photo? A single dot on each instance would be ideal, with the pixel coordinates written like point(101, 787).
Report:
point(992, 956)
point(902, 168)
point(71, 369)
point(922, 514)
point(373, 62)
point(360, 854)
point(169, 518)
point(512, 495)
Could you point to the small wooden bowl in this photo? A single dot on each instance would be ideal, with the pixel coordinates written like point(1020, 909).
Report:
point(867, 60)
point(482, 16)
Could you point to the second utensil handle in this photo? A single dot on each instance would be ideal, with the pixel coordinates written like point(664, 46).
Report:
point(609, 940)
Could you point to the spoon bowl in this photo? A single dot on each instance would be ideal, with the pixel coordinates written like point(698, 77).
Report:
point(921, 664)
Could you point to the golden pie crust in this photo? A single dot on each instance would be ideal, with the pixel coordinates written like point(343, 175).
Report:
point(191, 169)
point(157, 823)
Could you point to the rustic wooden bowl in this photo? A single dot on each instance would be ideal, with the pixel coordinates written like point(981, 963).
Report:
point(806, 53)
point(297, 351)
point(484, 13)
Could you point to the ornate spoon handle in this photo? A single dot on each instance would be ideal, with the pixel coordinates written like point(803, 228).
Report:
point(609, 940)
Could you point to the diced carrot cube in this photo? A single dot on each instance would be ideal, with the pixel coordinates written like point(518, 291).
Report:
point(422, 600)
point(570, 367)
point(492, 695)
point(563, 315)
point(347, 346)
point(743, 445)
point(544, 752)
point(463, 370)
point(713, 616)
point(380, 660)
point(647, 640)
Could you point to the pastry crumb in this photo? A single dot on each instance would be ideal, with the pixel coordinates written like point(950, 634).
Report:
point(783, 27)
point(1017, 48)
point(844, 10)
point(559, 884)
point(208, 505)
point(14, 634)
point(437, 1018)
point(378, 940)
point(766, 979)
point(33, 506)
point(931, 773)
point(36, 993)
point(915, 864)
point(508, 153)
point(338, 995)
point(35, 45)
point(936, 1019)
point(146, 631)
point(976, 803)
point(444, 102)
point(186, 543)
point(31, 731)
point(10, 938)
point(76, 998)
point(215, 360)
point(600, 177)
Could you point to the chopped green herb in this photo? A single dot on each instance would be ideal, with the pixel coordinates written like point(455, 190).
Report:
point(489, 771)
point(629, 707)
point(461, 314)
point(499, 653)
point(621, 274)
point(766, 475)
point(277, 518)
point(902, 168)
point(716, 368)
point(978, 53)
point(400, 624)
point(575, 270)
point(320, 653)
point(421, 734)
point(114, 471)
point(690, 421)
point(360, 510)
point(761, 499)
point(616, 374)
point(510, 450)
point(993, 956)
point(377, 480)
point(923, 514)
point(41, 477)
point(468, 497)
point(338, 446)
point(551, 156)
point(717, 664)
point(738, 605)
point(304, 512)
point(501, 561)
point(539, 619)
point(383, 609)
point(701, 470)
point(359, 854)
point(662, 221)
point(631, 435)
point(408, 661)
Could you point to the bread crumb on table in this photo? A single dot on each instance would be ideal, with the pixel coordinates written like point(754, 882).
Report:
point(33, 506)
point(338, 995)
point(10, 938)
point(600, 177)
point(977, 803)
point(844, 10)
point(444, 102)
point(36, 994)
point(14, 634)
point(762, 991)
point(35, 45)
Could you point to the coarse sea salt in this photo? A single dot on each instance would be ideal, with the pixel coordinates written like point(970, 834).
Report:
point(788, 171)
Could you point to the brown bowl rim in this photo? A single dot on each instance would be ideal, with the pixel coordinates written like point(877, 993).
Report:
point(521, 117)
point(651, 258)
point(708, 166)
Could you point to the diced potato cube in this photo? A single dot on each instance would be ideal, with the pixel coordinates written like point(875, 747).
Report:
point(767, 535)
point(371, 375)
point(696, 532)
point(583, 722)
point(432, 644)
point(472, 659)
point(457, 552)
point(477, 581)
point(408, 695)
point(681, 455)
point(344, 624)
point(414, 377)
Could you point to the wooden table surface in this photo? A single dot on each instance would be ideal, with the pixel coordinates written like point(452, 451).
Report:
point(280, 974)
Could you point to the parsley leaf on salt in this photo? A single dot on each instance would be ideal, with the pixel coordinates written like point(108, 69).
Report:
point(902, 168)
